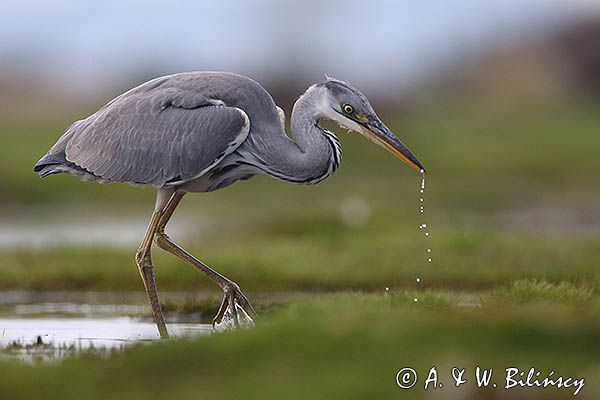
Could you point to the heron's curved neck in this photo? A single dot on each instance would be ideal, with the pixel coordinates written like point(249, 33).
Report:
point(306, 113)
point(309, 156)
point(320, 149)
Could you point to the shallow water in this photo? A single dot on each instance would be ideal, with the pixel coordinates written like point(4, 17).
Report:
point(84, 333)
point(48, 326)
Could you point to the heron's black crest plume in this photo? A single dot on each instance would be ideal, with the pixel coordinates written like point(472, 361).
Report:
point(337, 87)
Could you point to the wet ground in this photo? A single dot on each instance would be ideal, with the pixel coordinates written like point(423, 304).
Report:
point(51, 325)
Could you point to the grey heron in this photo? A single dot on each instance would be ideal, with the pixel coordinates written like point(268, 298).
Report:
point(203, 131)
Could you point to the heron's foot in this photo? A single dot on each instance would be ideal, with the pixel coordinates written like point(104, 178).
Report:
point(235, 310)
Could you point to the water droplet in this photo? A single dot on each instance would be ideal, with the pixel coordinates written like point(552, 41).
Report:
point(423, 225)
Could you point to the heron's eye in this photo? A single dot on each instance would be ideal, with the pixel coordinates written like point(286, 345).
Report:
point(348, 109)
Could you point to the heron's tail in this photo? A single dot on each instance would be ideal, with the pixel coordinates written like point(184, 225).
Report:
point(56, 163)
point(55, 160)
point(51, 163)
point(44, 170)
point(48, 170)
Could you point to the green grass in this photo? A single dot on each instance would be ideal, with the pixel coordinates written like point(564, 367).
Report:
point(341, 259)
point(530, 291)
point(338, 346)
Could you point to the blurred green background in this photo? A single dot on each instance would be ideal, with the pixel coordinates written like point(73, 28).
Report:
point(500, 102)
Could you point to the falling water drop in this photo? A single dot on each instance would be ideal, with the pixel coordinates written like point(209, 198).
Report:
point(423, 225)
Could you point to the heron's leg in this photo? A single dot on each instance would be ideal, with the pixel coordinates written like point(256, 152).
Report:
point(143, 261)
point(232, 292)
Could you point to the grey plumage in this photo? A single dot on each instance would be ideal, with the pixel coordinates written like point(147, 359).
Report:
point(202, 131)
point(160, 133)
point(170, 130)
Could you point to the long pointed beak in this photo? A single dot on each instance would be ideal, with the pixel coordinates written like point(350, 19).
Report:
point(377, 132)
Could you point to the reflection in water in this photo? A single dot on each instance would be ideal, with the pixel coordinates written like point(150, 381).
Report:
point(48, 326)
point(83, 333)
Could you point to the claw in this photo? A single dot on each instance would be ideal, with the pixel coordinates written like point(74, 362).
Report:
point(233, 308)
point(221, 313)
point(233, 311)
point(246, 305)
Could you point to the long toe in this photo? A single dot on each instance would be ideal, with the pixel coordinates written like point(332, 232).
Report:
point(233, 312)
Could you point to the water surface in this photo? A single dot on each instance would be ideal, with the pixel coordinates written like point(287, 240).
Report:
point(50, 325)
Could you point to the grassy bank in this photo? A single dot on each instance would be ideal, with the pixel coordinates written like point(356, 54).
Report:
point(330, 258)
point(343, 346)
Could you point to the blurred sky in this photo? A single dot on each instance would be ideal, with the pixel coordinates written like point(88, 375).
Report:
point(387, 44)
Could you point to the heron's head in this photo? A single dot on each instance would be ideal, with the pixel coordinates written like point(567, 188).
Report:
point(350, 108)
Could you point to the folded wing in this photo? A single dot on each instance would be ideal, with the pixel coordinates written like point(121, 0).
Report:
point(158, 136)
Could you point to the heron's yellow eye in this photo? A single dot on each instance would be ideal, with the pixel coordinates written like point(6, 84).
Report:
point(348, 109)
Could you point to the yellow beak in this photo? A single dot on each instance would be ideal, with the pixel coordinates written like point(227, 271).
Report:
point(378, 133)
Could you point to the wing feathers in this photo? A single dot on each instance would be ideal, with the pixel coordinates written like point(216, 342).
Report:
point(156, 136)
